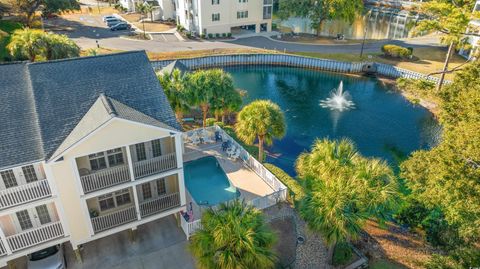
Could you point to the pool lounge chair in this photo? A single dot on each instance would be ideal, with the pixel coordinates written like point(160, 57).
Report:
point(235, 155)
point(218, 136)
point(195, 139)
point(231, 150)
point(207, 138)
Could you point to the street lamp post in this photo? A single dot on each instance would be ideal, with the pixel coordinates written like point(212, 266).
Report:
point(365, 33)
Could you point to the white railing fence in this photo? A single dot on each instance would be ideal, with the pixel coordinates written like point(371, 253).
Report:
point(293, 61)
point(160, 204)
point(35, 236)
point(267, 176)
point(155, 165)
point(102, 223)
point(24, 193)
point(105, 178)
point(279, 189)
point(3, 250)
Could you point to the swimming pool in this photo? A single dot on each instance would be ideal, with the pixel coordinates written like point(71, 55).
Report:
point(207, 182)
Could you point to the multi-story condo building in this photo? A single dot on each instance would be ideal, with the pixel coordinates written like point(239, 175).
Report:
point(203, 17)
point(90, 147)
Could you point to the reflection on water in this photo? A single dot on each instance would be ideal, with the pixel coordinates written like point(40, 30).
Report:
point(383, 124)
point(383, 23)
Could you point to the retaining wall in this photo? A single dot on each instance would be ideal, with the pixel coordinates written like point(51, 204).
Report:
point(292, 61)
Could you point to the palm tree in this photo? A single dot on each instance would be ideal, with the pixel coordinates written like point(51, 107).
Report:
point(26, 44)
point(149, 9)
point(142, 9)
point(228, 99)
point(204, 88)
point(234, 236)
point(59, 47)
point(173, 85)
point(262, 120)
point(343, 190)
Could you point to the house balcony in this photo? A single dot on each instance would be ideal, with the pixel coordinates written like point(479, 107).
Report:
point(118, 208)
point(24, 193)
point(155, 165)
point(30, 227)
point(113, 167)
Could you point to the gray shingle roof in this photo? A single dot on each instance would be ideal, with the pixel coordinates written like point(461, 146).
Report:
point(41, 103)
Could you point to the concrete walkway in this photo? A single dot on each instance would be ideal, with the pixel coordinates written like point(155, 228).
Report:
point(160, 244)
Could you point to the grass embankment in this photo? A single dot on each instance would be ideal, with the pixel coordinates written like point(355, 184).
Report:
point(427, 60)
point(6, 29)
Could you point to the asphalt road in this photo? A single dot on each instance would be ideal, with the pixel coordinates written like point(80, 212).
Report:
point(86, 29)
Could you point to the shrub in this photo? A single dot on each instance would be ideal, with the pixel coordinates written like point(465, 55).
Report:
point(202, 36)
point(210, 35)
point(224, 35)
point(217, 35)
point(294, 187)
point(189, 35)
point(396, 51)
point(180, 28)
point(229, 34)
point(219, 124)
point(342, 254)
point(210, 121)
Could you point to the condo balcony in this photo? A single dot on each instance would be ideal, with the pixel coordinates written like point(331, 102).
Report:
point(29, 227)
point(113, 167)
point(118, 208)
point(22, 185)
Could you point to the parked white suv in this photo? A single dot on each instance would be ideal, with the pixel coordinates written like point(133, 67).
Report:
point(49, 258)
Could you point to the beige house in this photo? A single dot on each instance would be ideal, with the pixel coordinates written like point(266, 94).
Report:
point(205, 17)
point(85, 153)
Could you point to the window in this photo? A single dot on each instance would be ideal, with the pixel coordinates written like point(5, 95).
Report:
point(146, 191)
point(156, 148)
point(242, 14)
point(24, 220)
point(97, 161)
point(115, 157)
point(43, 215)
point(215, 16)
point(141, 154)
point(106, 202)
point(161, 188)
point(243, 1)
point(215, 2)
point(268, 2)
point(29, 173)
point(9, 178)
point(122, 197)
point(267, 12)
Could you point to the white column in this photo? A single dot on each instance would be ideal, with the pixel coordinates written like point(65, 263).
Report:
point(181, 187)
point(62, 217)
point(179, 149)
point(132, 176)
point(78, 181)
point(49, 175)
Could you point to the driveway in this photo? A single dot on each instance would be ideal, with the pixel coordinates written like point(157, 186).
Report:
point(160, 244)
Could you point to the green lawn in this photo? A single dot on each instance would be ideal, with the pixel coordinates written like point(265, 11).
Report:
point(6, 28)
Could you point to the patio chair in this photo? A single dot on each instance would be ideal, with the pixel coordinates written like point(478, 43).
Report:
point(207, 138)
point(195, 139)
point(231, 150)
point(235, 155)
point(218, 136)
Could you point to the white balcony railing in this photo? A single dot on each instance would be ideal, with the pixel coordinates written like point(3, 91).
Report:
point(3, 251)
point(25, 193)
point(155, 165)
point(108, 221)
point(160, 204)
point(35, 236)
point(105, 178)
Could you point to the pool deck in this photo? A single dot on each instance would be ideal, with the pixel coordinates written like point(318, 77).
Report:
point(243, 178)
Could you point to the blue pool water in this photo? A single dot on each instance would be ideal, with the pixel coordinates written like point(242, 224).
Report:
point(207, 182)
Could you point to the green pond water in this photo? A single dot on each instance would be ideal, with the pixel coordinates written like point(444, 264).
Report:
point(382, 123)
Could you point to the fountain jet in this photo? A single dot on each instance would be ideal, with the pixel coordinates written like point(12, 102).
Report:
point(338, 100)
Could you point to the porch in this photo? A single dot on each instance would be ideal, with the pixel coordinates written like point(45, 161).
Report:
point(135, 203)
point(116, 166)
point(29, 227)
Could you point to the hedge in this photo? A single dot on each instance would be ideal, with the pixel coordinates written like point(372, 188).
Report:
point(396, 51)
point(292, 184)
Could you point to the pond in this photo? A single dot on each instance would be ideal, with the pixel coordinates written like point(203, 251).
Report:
point(382, 122)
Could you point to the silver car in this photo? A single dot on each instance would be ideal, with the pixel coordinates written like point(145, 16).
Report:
point(49, 258)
